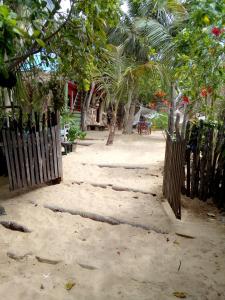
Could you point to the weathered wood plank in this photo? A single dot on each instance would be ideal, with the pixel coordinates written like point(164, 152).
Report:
point(52, 171)
point(40, 163)
point(42, 147)
point(188, 175)
point(31, 160)
point(16, 159)
point(59, 152)
point(209, 161)
point(22, 160)
point(36, 167)
point(54, 147)
point(9, 167)
point(46, 146)
point(26, 160)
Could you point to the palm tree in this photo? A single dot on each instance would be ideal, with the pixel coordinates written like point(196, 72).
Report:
point(113, 79)
point(117, 79)
point(149, 24)
point(145, 35)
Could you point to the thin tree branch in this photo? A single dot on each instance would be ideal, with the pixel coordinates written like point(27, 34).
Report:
point(33, 50)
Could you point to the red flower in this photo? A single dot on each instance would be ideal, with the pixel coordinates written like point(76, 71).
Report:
point(160, 94)
point(204, 92)
point(216, 31)
point(185, 99)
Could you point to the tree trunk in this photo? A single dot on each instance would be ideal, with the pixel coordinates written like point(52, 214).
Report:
point(90, 94)
point(83, 111)
point(127, 110)
point(128, 126)
point(101, 109)
point(120, 117)
point(85, 107)
point(66, 97)
point(112, 127)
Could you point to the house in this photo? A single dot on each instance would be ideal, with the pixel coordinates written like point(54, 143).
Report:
point(96, 116)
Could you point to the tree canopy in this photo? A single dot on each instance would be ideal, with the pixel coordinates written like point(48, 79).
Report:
point(162, 42)
point(71, 40)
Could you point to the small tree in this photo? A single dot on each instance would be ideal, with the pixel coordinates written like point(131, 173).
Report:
point(113, 79)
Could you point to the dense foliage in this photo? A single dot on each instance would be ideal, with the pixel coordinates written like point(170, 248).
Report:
point(161, 43)
point(200, 56)
point(69, 42)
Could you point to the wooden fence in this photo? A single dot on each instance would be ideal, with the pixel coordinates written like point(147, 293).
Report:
point(33, 155)
point(205, 162)
point(194, 163)
point(174, 166)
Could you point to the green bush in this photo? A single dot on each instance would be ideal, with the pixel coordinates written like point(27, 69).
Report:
point(67, 118)
point(75, 133)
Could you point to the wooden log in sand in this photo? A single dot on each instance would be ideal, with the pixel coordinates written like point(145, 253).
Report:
point(128, 167)
point(104, 219)
point(115, 187)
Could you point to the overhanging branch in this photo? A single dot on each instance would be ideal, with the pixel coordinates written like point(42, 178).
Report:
point(35, 48)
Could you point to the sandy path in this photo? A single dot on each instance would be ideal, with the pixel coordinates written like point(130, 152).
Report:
point(106, 261)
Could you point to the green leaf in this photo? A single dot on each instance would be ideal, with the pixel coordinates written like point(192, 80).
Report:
point(36, 33)
point(4, 11)
point(40, 42)
point(86, 84)
point(16, 30)
point(20, 31)
point(11, 22)
point(43, 3)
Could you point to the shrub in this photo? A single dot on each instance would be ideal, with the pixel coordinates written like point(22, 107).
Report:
point(75, 133)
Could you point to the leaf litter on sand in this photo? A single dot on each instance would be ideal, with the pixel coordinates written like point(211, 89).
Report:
point(180, 295)
point(69, 285)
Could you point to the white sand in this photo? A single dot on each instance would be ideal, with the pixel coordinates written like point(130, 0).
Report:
point(105, 261)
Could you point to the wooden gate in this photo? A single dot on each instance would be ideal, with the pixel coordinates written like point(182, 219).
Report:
point(33, 156)
point(174, 166)
point(174, 173)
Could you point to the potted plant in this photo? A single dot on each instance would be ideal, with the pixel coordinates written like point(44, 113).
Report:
point(73, 134)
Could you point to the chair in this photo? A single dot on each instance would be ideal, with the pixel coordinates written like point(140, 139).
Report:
point(143, 127)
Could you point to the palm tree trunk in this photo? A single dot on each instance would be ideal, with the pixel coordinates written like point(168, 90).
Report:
point(85, 107)
point(128, 125)
point(127, 111)
point(112, 127)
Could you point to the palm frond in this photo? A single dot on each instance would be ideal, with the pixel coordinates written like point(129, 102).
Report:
point(164, 11)
point(120, 75)
point(157, 36)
